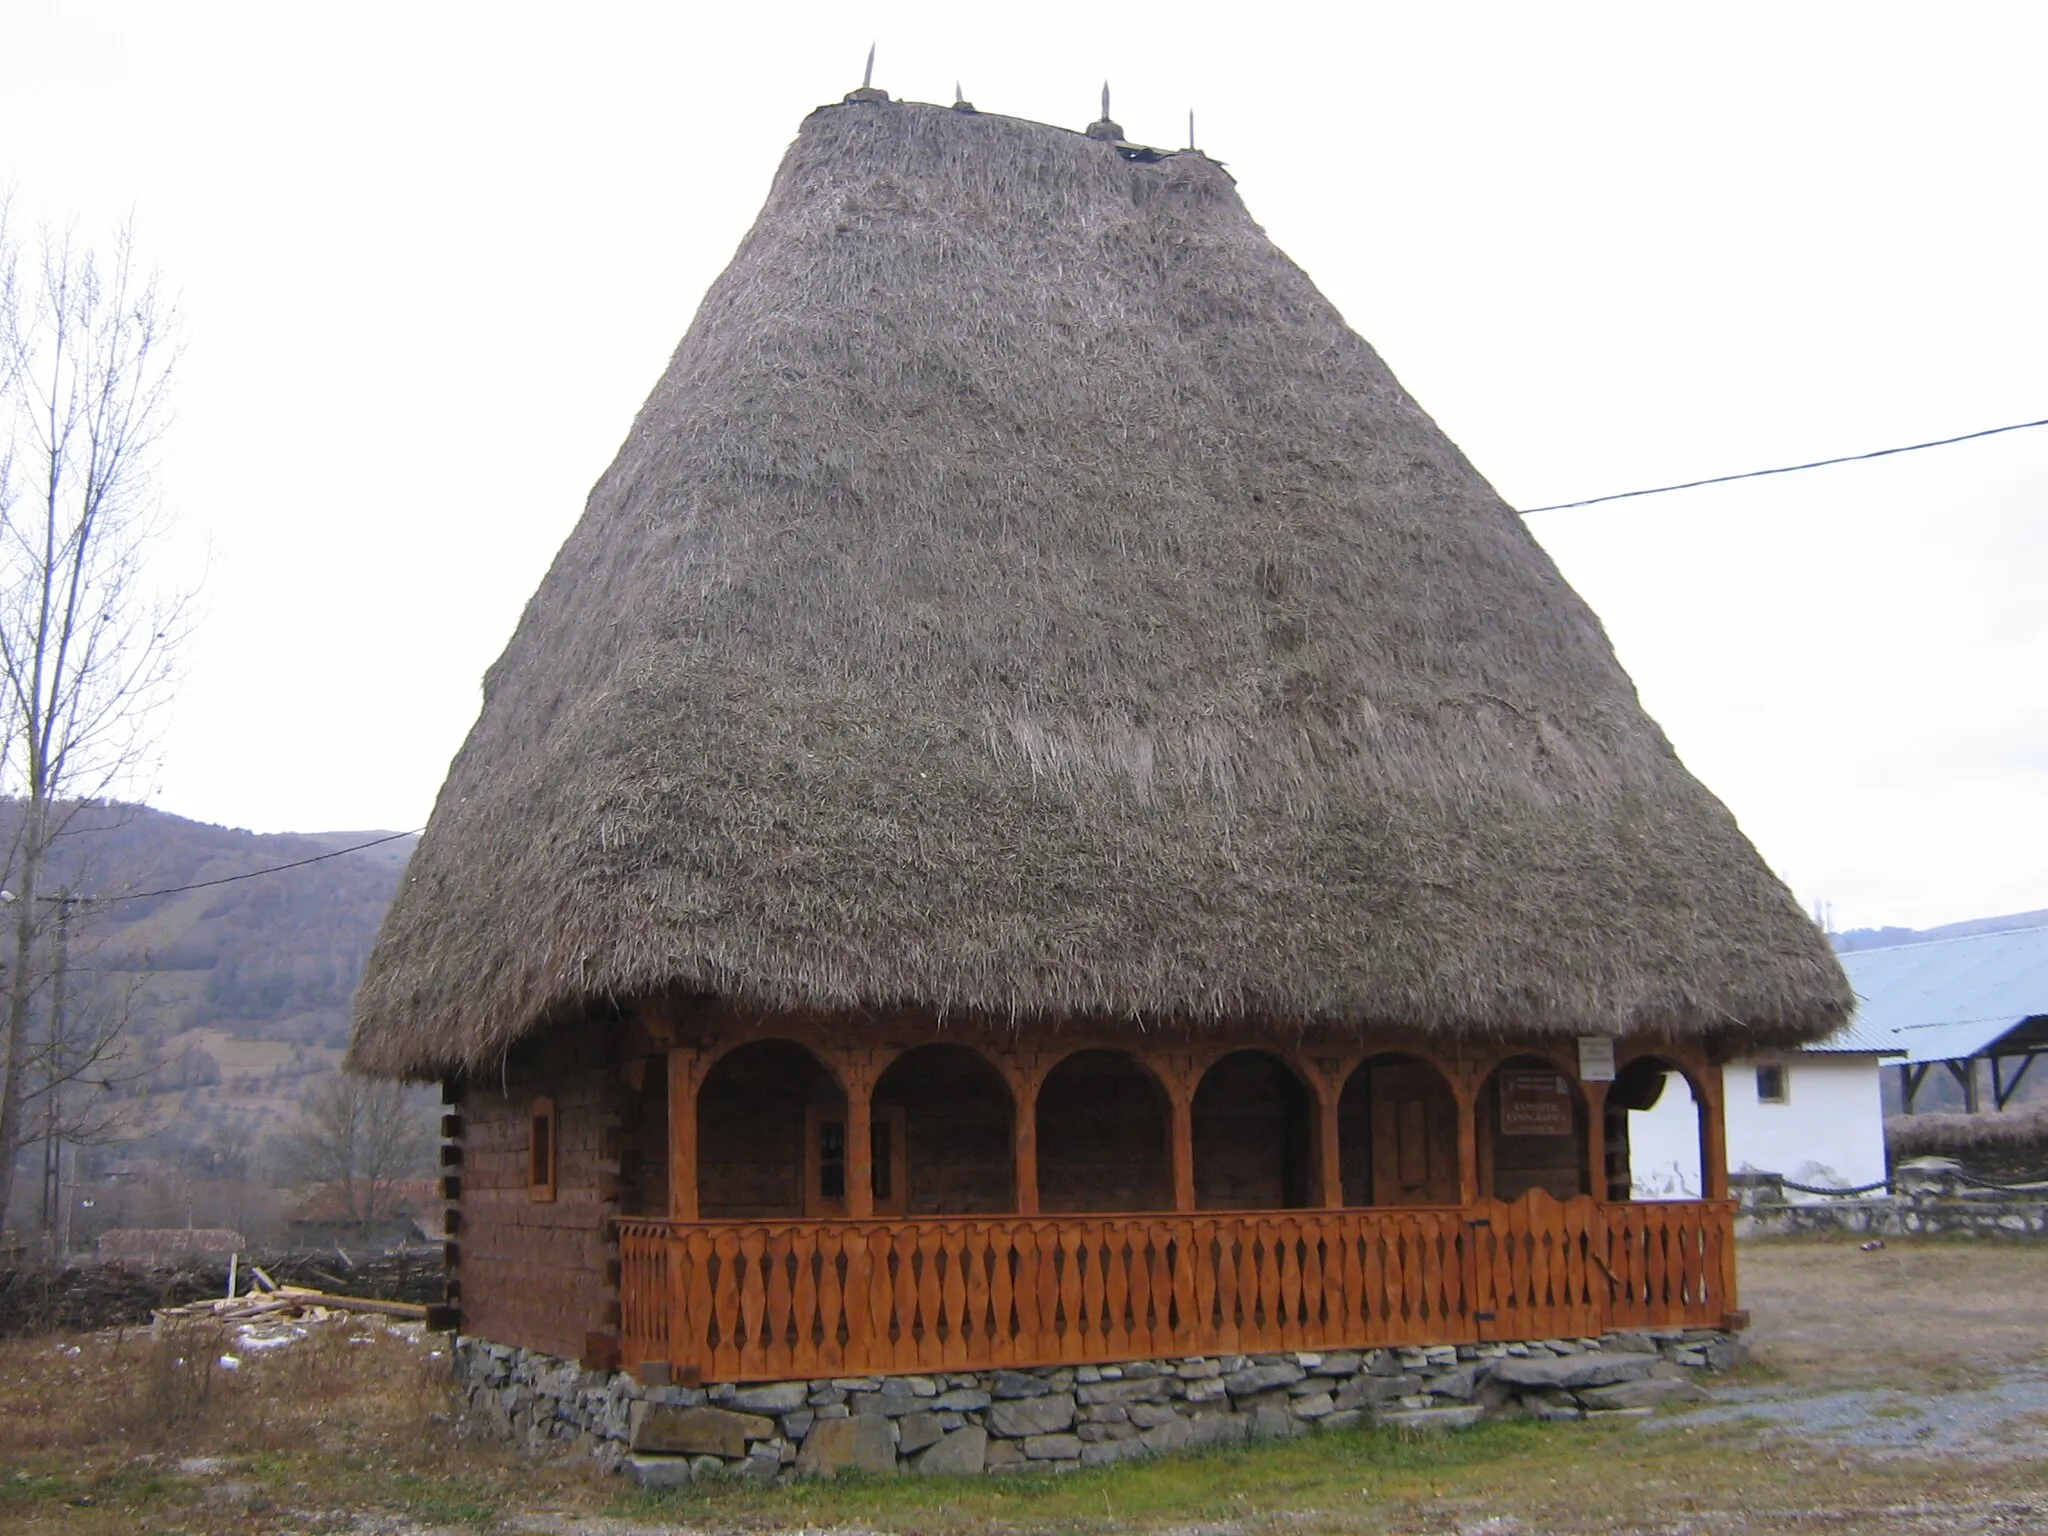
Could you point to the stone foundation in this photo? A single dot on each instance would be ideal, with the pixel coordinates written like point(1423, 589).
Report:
point(1059, 1418)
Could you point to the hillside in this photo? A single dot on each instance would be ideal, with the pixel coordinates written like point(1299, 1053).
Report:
point(274, 958)
point(1884, 938)
point(228, 999)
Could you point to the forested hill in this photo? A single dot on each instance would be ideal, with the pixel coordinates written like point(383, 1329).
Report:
point(272, 958)
point(1878, 938)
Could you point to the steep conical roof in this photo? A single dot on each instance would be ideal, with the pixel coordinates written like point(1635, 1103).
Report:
point(1023, 594)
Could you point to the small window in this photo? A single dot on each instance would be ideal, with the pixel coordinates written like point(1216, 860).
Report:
point(832, 1159)
point(881, 1151)
point(1771, 1085)
point(540, 1152)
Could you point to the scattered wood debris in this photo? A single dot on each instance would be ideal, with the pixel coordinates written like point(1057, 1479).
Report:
point(279, 1302)
point(41, 1298)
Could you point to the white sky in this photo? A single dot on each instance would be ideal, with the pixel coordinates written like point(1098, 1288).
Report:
point(433, 256)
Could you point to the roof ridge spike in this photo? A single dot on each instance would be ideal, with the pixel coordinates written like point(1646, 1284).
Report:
point(1105, 127)
point(867, 91)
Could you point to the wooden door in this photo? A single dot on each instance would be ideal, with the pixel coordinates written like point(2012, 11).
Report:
point(1414, 1137)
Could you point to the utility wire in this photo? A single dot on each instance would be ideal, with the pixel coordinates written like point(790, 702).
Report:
point(1786, 469)
point(200, 885)
point(1556, 506)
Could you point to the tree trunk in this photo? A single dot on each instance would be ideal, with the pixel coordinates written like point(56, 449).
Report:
point(20, 998)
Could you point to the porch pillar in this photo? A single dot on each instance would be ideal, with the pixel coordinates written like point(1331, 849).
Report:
point(1596, 1138)
point(1024, 1141)
point(1466, 1089)
point(1180, 1092)
point(1329, 1150)
point(685, 1076)
point(1713, 1132)
point(860, 1138)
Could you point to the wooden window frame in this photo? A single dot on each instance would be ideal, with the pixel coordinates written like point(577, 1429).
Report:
point(816, 1202)
point(543, 1149)
point(889, 1136)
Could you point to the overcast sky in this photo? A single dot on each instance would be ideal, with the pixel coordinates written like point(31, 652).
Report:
point(433, 256)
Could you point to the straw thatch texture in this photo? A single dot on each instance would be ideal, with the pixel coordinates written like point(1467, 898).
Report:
point(1023, 594)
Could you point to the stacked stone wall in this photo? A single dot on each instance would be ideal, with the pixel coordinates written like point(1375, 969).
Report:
point(1060, 1418)
point(1931, 1197)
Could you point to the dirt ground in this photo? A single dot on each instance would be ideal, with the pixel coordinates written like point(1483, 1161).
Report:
point(1832, 1311)
point(1903, 1390)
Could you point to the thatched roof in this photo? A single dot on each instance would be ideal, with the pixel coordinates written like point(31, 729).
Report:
point(1023, 595)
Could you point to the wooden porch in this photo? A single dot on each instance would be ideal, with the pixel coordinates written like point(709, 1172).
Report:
point(777, 1299)
point(818, 1204)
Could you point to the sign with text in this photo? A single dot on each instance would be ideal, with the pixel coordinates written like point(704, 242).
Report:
point(1596, 1058)
point(1535, 1104)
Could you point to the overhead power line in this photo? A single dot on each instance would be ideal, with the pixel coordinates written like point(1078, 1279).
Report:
point(1556, 506)
point(200, 885)
point(1787, 469)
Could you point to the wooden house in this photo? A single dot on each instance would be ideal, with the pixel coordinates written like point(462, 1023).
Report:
point(1045, 813)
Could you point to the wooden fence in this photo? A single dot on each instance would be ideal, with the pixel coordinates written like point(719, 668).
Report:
point(771, 1300)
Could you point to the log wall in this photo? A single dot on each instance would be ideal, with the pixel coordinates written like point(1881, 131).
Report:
point(534, 1272)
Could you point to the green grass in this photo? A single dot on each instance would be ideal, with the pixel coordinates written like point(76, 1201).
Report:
point(1562, 1477)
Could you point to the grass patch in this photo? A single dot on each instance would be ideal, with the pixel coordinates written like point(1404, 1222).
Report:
point(1557, 1477)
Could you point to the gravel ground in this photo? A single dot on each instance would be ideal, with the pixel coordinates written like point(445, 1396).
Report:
point(2006, 1419)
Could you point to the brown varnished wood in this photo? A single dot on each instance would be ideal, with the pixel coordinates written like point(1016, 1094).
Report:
point(685, 1074)
point(766, 1300)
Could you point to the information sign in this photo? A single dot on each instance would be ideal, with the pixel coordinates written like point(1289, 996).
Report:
point(1535, 1104)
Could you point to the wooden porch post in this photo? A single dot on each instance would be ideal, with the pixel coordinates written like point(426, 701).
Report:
point(859, 1081)
point(1024, 1141)
point(1596, 1138)
point(685, 1076)
point(1180, 1078)
point(1329, 1151)
point(1466, 1089)
point(1713, 1132)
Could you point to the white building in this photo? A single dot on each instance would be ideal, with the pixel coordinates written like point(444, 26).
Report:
point(1814, 1116)
point(1953, 997)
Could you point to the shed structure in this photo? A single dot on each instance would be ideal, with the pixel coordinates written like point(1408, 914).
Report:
point(1955, 1002)
point(1045, 813)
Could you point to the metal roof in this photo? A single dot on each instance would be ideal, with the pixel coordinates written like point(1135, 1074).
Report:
point(1857, 1037)
point(1946, 999)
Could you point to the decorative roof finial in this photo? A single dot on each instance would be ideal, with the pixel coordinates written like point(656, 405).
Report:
point(1103, 128)
point(1191, 127)
point(960, 101)
point(867, 91)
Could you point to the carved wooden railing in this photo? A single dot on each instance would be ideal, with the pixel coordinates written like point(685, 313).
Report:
point(767, 1300)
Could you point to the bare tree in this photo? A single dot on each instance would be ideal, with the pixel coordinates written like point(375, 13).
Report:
point(359, 1136)
point(87, 351)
